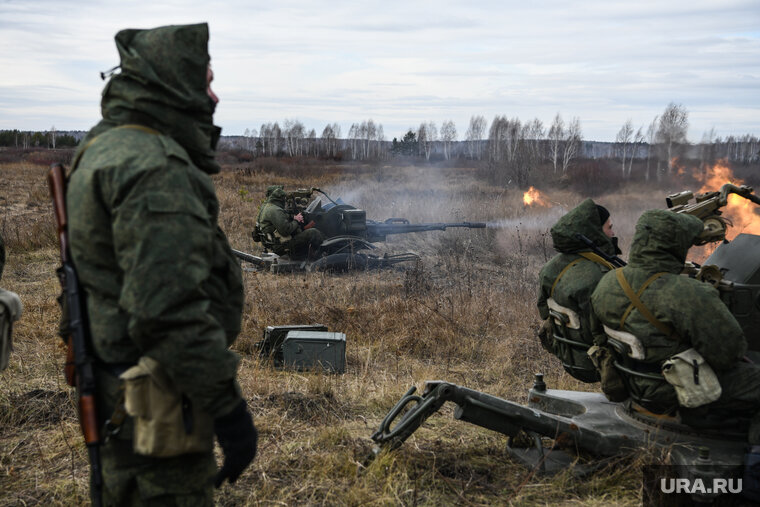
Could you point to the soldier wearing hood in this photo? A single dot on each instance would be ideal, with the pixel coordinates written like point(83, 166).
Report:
point(684, 314)
point(160, 279)
point(566, 283)
point(285, 235)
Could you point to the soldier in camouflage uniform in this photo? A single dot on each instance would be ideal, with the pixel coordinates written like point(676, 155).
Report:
point(568, 280)
point(284, 235)
point(158, 272)
point(692, 309)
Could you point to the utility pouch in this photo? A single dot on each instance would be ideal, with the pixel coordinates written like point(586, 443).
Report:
point(10, 311)
point(545, 335)
point(166, 424)
point(612, 382)
point(692, 378)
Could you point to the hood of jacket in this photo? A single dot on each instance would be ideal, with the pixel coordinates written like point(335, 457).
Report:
point(162, 85)
point(277, 196)
point(662, 240)
point(583, 219)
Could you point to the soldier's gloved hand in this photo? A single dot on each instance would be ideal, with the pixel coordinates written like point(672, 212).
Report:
point(237, 437)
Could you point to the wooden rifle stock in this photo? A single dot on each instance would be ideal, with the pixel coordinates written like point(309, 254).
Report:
point(78, 368)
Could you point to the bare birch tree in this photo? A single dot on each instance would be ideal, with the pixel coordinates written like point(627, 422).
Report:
point(556, 140)
point(381, 151)
point(671, 133)
point(572, 143)
point(535, 136)
point(638, 142)
point(474, 137)
point(448, 136)
point(623, 143)
point(426, 136)
point(651, 138)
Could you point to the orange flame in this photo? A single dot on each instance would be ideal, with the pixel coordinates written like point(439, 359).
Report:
point(533, 196)
point(742, 212)
point(678, 168)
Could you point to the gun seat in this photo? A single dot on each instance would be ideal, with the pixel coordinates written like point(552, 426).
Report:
point(566, 348)
point(629, 361)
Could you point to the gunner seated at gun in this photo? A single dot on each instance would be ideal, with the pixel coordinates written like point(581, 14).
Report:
point(285, 235)
point(567, 281)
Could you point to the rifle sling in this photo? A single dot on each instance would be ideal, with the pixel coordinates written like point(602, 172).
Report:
point(636, 302)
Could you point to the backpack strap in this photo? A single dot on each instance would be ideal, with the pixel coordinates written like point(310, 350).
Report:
point(562, 273)
point(636, 302)
point(584, 255)
point(597, 258)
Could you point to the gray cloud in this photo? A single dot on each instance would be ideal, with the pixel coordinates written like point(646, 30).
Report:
point(401, 63)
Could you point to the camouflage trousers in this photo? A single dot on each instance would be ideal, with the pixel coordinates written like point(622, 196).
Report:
point(305, 244)
point(741, 393)
point(131, 479)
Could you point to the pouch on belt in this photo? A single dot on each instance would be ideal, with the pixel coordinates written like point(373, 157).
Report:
point(166, 424)
point(692, 378)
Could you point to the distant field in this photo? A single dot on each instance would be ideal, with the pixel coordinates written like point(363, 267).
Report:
point(465, 314)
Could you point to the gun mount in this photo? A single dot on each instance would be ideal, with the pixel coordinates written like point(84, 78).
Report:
point(349, 235)
point(701, 445)
point(707, 208)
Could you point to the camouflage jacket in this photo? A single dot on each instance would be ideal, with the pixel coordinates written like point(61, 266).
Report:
point(157, 270)
point(274, 220)
point(692, 308)
point(574, 288)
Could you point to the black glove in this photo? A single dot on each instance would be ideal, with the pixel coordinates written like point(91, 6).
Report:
point(237, 437)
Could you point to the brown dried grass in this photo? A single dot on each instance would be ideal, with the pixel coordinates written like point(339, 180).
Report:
point(465, 314)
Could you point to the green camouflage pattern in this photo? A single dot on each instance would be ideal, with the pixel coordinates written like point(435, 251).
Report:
point(159, 274)
point(130, 479)
point(274, 221)
point(575, 287)
point(274, 218)
point(133, 480)
point(692, 308)
point(162, 85)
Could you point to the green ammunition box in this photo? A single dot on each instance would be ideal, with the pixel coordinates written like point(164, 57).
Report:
point(306, 350)
point(274, 336)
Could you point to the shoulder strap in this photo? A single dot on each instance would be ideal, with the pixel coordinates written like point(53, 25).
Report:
point(134, 126)
point(636, 302)
point(584, 255)
point(562, 273)
point(596, 258)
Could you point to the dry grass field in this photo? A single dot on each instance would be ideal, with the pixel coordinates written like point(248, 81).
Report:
point(466, 314)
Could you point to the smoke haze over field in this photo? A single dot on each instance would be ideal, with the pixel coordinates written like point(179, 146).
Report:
point(402, 63)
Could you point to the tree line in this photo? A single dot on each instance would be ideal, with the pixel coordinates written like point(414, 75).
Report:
point(510, 147)
point(25, 139)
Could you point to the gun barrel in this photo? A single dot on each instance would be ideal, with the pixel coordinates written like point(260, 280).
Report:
point(253, 259)
point(396, 227)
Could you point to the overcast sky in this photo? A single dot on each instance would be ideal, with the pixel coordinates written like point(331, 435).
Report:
point(404, 62)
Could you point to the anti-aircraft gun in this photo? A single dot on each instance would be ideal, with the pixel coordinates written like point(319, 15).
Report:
point(349, 235)
point(707, 208)
point(700, 446)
